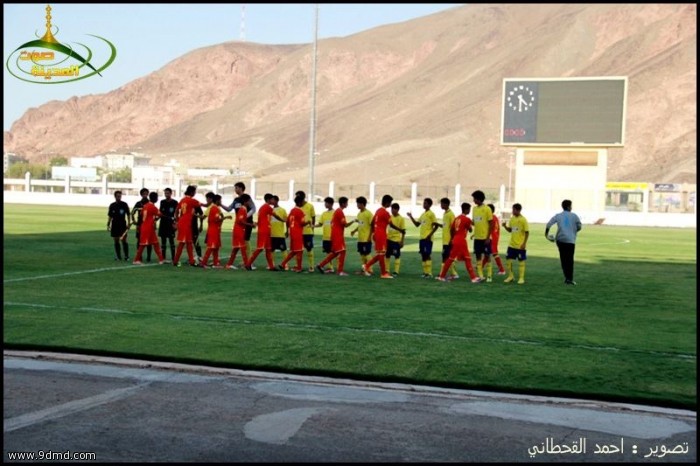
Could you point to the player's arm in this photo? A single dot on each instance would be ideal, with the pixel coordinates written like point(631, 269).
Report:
point(488, 234)
point(415, 223)
point(509, 229)
point(524, 245)
point(430, 235)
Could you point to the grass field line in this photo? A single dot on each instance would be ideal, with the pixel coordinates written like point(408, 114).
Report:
point(326, 328)
point(624, 241)
point(66, 274)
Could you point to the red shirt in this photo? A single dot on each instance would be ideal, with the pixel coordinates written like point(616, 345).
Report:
point(264, 219)
point(381, 220)
point(149, 214)
point(338, 230)
point(186, 208)
point(239, 227)
point(460, 227)
point(295, 221)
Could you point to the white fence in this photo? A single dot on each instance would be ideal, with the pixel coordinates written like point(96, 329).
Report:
point(101, 194)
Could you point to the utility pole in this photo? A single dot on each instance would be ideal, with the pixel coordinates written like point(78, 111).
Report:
point(312, 129)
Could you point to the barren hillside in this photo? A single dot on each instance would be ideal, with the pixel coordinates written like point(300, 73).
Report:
point(416, 101)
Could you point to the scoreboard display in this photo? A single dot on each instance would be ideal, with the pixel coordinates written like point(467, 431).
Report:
point(564, 111)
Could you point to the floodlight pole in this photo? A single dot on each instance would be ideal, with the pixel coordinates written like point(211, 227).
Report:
point(312, 129)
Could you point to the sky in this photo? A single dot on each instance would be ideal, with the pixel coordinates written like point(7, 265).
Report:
point(148, 36)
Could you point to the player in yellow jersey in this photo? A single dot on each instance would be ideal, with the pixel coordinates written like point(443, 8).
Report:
point(396, 233)
point(447, 218)
point(363, 230)
point(483, 226)
point(519, 231)
point(428, 224)
point(278, 227)
point(310, 221)
point(325, 222)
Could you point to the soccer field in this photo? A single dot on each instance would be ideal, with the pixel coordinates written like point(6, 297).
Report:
point(627, 332)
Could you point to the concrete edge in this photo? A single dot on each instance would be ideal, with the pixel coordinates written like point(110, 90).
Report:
point(318, 380)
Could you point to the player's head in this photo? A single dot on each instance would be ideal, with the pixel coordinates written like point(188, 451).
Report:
point(299, 201)
point(191, 190)
point(343, 202)
point(275, 200)
point(445, 203)
point(478, 197)
point(153, 197)
point(245, 199)
point(361, 202)
point(466, 208)
point(566, 204)
point(328, 202)
point(144, 192)
point(267, 198)
point(386, 200)
point(210, 197)
point(492, 207)
point(395, 208)
point(239, 187)
point(117, 195)
point(516, 209)
point(168, 193)
point(300, 193)
point(427, 203)
point(217, 199)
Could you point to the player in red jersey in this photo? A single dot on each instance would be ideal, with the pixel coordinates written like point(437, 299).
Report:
point(495, 237)
point(265, 215)
point(184, 215)
point(295, 230)
point(459, 250)
point(148, 237)
point(215, 218)
point(379, 224)
point(238, 234)
point(338, 249)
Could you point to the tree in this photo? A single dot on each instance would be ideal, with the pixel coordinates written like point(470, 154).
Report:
point(59, 161)
point(18, 170)
point(122, 176)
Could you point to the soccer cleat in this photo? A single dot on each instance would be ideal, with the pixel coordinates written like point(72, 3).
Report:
point(342, 274)
point(386, 275)
point(248, 267)
point(396, 274)
point(281, 267)
point(161, 262)
point(521, 281)
point(427, 275)
point(296, 270)
point(476, 280)
point(440, 279)
point(204, 266)
point(311, 269)
point(454, 277)
point(320, 269)
point(117, 258)
point(489, 280)
point(126, 259)
point(570, 282)
point(252, 267)
point(137, 263)
point(509, 279)
point(501, 272)
point(366, 272)
point(231, 267)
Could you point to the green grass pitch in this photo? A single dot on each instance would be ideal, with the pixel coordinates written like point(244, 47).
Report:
point(627, 332)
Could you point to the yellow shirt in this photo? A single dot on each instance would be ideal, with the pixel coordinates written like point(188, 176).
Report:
point(326, 217)
point(447, 219)
point(482, 216)
point(426, 220)
point(309, 214)
point(364, 219)
point(519, 227)
point(277, 228)
point(395, 235)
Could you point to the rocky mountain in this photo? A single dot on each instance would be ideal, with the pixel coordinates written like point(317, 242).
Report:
point(414, 101)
